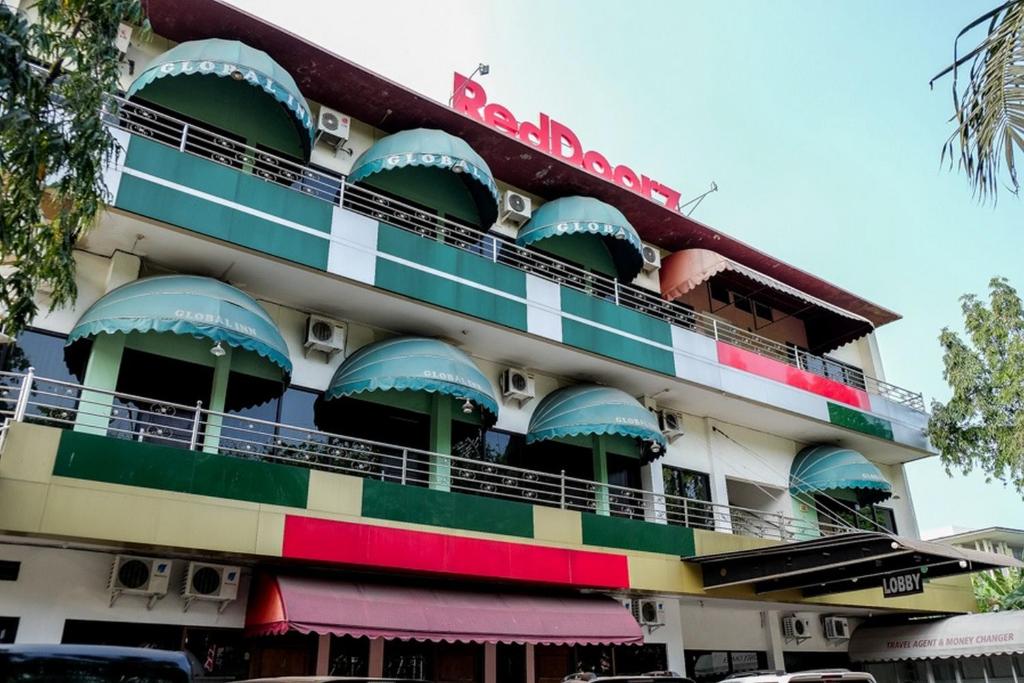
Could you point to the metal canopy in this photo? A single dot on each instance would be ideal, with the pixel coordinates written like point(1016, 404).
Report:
point(841, 563)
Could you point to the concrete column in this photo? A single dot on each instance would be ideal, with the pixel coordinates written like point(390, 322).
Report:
point(440, 441)
point(490, 663)
point(101, 373)
point(653, 481)
point(531, 663)
point(600, 453)
point(772, 625)
point(376, 658)
point(218, 396)
point(323, 654)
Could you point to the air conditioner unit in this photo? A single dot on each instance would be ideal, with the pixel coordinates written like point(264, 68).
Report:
point(837, 628)
point(517, 385)
point(211, 582)
point(671, 424)
point(323, 334)
point(652, 258)
point(132, 575)
point(515, 208)
point(649, 612)
point(333, 127)
point(795, 628)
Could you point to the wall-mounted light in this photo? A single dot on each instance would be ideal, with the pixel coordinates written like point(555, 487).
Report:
point(467, 407)
point(218, 350)
point(481, 68)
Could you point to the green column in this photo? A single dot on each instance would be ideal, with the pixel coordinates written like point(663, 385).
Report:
point(221, 372)
point(101, 373)
point(803, 510)
point(440, 442)
point(600, 452)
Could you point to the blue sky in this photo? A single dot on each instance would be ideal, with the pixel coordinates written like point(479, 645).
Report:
point(814, 118)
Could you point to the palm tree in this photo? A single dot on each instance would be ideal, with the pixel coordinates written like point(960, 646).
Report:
point(990, 110)
point(999, 590)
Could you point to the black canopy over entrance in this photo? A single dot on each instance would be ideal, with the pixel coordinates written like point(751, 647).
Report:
point(841, 563)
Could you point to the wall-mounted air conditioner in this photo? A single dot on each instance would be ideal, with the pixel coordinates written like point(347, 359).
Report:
point(516, 208)
point(134, 575)
point(210, 582)
point(795, 628)
point(334, 128)
point(671, 424)
point(323, 334)
point(517, 385)
point(652, 258)
point(837, 628)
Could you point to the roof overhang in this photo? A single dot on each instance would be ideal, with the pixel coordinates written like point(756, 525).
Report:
point(369, 97)
point(836, 564)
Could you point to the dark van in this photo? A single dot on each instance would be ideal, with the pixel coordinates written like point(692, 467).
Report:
point(92, 664)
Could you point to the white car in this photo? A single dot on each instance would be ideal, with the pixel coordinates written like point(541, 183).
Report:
point(815, 676)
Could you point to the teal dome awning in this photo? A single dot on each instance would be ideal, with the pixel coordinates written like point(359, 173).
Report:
point(413, 364)
point(433, 148)
point(588, 216)
point(187, 305)
point(820, 469)
point(239, 62)
point(594, 410)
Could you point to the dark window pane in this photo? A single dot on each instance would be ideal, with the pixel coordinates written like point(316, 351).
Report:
point(638, 659)
point(221, 651)
point(762, 311)
point(694, 486)
point(742, 303)
point(719, 293)
point(8, 629)
point(349, 656)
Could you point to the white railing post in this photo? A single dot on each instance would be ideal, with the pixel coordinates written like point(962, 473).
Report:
point(21, 407)
point(193, 440)
point(561, 494)
point(714, 329)
point(494, 249)
point(405, 465)
point(184, 138)
point(686, 512)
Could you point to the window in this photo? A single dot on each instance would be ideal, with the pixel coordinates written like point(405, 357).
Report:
point(972, 669)
point(8, 629)
point(885, 518)
point(868, 517)
point(719, 293)
point(43, 351)
point(1000, 669)
point(742, 303)
point(9, 570)
point(704, 665)
point(696, 486)
point(349, 656)
point(943, 670)
point(762, 311)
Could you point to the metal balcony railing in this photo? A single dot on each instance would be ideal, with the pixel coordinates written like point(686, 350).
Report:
point(335, 189)
point(28, 398)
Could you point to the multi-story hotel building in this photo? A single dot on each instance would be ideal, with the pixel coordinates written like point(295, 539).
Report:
point(362, 383)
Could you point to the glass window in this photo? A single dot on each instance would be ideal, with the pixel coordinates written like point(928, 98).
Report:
point(511, 663)
point(221, 651)
point(8, 629)
point(943, 670)
point(693, 485)
point(245, 431)
point(762, 311)
point(719, 293)
point(638, 659)
point(885, 518)
point(349, 656)
point(972, 669)
point(43, 351)
point(1000, 669)
point(912, 671)
point(884, 672)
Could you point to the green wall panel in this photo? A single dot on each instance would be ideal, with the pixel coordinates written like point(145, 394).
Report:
point(385, 500)
point(444, 292)
point(613, 345)
point(222, 222)
point(858, 421)
point(117, 461)
point(635, 534)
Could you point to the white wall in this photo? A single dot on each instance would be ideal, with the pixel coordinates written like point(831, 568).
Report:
point(55, 584)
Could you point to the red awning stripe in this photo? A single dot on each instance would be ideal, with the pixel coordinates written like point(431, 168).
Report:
point(307, 605)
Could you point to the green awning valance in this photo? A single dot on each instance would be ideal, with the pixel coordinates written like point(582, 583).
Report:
point(187, 305)
point(433, 148)
point(819, 469)
point(413, 364)
point(586, 215)
point(593, 410)
point(238, 61)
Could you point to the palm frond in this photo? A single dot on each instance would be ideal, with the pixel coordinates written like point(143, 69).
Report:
point(989, 113)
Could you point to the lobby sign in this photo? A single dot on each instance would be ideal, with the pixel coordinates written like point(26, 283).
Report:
point(907, 583)
point(556, 139)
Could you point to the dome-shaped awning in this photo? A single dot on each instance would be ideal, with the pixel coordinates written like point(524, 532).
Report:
point(187, 305)
point(413, 364)
point(588, 409)
point(820, 469)
point(235, 60)
point(588, 216)
point(433, 148)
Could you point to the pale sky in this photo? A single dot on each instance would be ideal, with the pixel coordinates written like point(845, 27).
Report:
point(814, 118)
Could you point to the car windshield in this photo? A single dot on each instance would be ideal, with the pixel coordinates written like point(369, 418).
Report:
point(17, 669)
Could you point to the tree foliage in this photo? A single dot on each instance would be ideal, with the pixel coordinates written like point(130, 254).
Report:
point(999, 590)
point(989, 112)
point(55, 73)
point(982, 424)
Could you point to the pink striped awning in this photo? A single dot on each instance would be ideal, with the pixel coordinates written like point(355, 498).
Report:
point(310, 605)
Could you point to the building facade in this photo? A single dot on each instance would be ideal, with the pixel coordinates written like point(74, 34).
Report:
point(359, 383)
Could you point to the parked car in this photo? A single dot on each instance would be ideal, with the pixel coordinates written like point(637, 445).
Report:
point(815, 676)
point(649, 677)
point(94, 664)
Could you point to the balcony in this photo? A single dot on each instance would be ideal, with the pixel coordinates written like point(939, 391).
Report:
point(126, 417)
point(333, 190)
